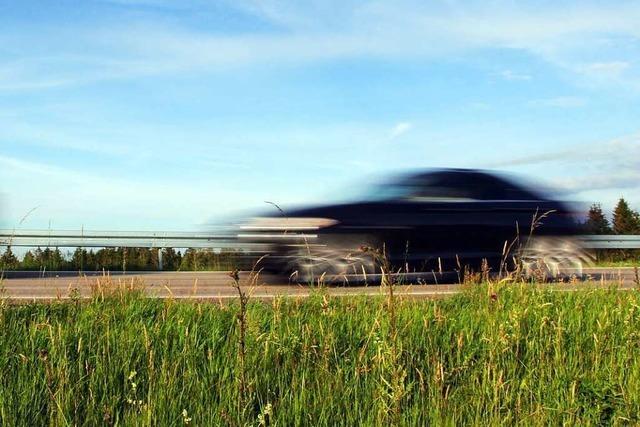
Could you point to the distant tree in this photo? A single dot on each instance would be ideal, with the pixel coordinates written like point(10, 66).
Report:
point(171, 259)
point(46, 258)
point(597, 222)
point(625, 220)
point(8, 261)
point(58, 261)
point(29, 261)
point(90, 261)
point(38, 256)
point(144, 259)
point(78, 259)
point(188, 262)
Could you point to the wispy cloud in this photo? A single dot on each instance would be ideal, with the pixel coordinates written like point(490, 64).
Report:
point(567, 35)
point(560, 102)
point(92, 195)
point(400, 129)
point(512, 75)
point(605, 165)
point(614, 68)
point(627, 179)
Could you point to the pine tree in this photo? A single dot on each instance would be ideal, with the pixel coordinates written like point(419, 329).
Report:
point(39, 257)
point(171, 259)
point(188, 260)
point(78, 259)
point(8, 261)
point(597, 223)
point(58, 262)
point(29, 262)
point(625, 220)
point(90, 261)
point(46, 258)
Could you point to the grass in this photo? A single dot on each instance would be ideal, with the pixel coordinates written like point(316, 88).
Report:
point(510, 354)
point(620, 263)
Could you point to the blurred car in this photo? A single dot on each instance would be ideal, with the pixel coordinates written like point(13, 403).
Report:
point(438, 220)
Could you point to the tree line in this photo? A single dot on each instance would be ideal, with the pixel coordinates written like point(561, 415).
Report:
point(623, 221)
point(120, 259)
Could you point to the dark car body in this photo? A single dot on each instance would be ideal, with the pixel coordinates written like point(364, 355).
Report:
point(435, 220)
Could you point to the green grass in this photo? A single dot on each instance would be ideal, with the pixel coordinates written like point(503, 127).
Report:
point(509, 355)
point(620, 263)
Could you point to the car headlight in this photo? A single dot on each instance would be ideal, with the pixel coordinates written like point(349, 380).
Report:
point(287, 224)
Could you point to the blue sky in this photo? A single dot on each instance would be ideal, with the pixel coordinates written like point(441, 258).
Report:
point(164, 114)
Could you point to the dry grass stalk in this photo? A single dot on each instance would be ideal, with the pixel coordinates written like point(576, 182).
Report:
point(241, 318)
point(393, 375)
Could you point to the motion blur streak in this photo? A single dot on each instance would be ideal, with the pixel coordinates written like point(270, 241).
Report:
point(431, 220)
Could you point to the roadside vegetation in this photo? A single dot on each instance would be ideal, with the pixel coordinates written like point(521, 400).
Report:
point(495, 354)
point(121, 259)
point(624, 220)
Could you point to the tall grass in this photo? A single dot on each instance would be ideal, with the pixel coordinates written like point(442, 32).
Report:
point(491, 355)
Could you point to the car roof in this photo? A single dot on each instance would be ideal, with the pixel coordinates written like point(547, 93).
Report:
point(472, 177)
point(453, 173)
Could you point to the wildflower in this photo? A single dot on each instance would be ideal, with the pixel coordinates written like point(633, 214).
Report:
point(185, 417)
point(131, 375)
point(263, 417)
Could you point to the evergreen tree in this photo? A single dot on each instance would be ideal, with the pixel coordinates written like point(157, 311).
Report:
point(625, 220)
point(144, 261)
point(78, 259)
point(29, 262)
point(171, 259)
point(8, 261)
point(188, 260)
point(39, 257)
point(153, 259)
point(90, 261)
point(58, 262)
point(597, 223)
point(46, 258)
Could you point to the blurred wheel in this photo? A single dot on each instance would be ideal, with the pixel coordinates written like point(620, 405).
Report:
point(554, 258)
point(336, 262)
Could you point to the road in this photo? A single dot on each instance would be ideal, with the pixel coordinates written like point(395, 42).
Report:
point(216, 286)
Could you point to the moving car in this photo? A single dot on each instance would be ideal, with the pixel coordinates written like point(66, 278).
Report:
point(436, 220)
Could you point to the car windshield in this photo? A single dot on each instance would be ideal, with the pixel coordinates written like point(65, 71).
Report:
point(389, 191)
point(447, 186)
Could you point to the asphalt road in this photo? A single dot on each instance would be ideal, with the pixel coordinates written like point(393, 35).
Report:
point(216, 286)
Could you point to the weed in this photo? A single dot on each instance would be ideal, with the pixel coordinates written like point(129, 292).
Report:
point(494, 354)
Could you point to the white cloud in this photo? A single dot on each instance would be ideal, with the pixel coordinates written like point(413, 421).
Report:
point(569, 36)
point(626, 179)
point(607, 166)
point(400, 129)
point(90, 198)
point(619, 73)
point(511, 75)
point(614, 68)
point(559, 102)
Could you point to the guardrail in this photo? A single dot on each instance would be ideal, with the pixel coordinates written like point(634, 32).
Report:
point(198, 240)
point(611, 241)
point(122, 239)
point(116, 239)
point(182, 239)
